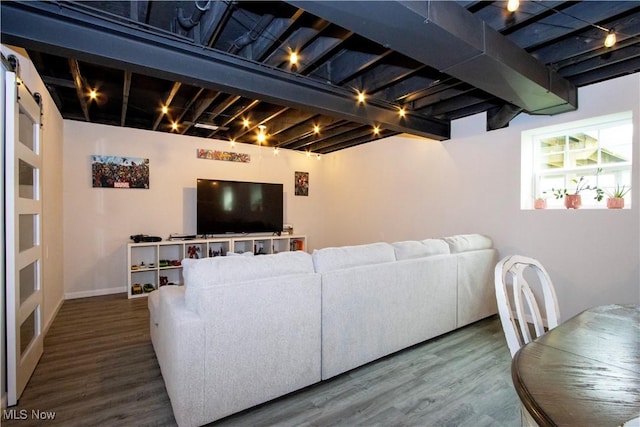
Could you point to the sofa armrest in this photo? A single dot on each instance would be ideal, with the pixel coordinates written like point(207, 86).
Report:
point(180, 351)
point(476, 288)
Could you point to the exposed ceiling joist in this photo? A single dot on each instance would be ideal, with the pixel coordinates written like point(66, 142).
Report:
point(475, 53)
point(50, 27)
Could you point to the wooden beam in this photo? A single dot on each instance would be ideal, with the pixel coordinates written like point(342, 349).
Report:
point(80, 86)
point(125, 96)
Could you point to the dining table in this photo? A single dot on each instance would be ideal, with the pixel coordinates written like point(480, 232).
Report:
point(585, 371)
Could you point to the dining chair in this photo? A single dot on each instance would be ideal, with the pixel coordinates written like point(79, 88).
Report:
point(518, 324)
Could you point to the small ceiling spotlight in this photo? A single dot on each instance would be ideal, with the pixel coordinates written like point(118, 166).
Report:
point(232, 142)
point(276, 151)
point(293, 58)
point(318, 156)
point(165, 109)
point(611, 39)
point(93, 94)
point(262, 137)
point(308, 153)
point(376, 130)
point(245, 123)
point(174, 126)
point(402, 112)
point(512, 5)
point(361, 97)
point(316, 129)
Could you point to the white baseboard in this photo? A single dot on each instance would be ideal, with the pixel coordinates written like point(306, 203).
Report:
point(95, 293)
point(53, 316)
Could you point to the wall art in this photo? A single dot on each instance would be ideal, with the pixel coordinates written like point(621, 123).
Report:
point(302, 183)
point(223, 155)
point(119, 172)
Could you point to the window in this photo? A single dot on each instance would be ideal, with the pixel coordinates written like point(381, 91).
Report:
point(598, 149)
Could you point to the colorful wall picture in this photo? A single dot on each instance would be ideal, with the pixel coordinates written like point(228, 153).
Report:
point(223, 155)
point(120, 172)
point(302, 183)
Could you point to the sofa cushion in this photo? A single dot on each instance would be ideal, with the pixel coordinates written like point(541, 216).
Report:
point(419, 249)
point(468, 242)
point(217, 271)
point(330, 259)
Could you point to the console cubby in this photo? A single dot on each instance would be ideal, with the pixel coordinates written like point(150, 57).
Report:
point(160, 263)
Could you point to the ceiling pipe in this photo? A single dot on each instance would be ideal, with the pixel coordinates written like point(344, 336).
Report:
point(251, 35)
point(189, 22)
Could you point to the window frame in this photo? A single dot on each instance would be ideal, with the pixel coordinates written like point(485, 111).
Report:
point(532, 174)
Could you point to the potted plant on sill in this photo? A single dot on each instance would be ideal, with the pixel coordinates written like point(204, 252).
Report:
point(574, 200)
point(616, 197)
point(540, 202)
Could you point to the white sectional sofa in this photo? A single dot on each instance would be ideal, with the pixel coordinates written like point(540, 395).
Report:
point(244, 330)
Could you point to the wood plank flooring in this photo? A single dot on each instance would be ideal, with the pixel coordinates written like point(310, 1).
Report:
point(99, 369)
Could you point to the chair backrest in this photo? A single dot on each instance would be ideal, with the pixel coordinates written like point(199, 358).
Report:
point(510, 271)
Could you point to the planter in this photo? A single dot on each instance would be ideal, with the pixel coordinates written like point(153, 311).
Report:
point(540, 204)
point(572, 201)
point(615, 203)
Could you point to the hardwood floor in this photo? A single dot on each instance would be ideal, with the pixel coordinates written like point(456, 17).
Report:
point(99, 369)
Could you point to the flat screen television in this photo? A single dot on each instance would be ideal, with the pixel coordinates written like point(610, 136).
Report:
point(238, 207)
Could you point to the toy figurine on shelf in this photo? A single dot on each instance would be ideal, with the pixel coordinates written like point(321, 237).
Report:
point(164, 280)
point(193, 251)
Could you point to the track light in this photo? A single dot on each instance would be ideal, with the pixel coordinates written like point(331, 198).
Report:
point(611, 39)
point(361, 97)
point(512, 5)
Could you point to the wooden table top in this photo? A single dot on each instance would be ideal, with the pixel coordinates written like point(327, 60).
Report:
point(585, 372)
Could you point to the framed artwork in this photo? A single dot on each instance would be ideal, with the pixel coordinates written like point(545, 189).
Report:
point(302, 183)
point(119, 172)
point(227, 156)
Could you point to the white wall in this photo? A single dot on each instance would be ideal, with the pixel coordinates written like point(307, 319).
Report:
point(405, 188)
point(99, 221)
point(397, 188)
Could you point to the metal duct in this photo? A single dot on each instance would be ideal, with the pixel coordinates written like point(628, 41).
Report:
point(445, 36)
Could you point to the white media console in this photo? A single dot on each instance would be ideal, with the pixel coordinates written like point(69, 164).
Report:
point(156, 264)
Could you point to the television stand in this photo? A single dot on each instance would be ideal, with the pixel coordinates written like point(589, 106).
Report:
point(159, 263)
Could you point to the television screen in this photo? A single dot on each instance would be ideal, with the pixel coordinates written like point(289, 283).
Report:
point(238, 207)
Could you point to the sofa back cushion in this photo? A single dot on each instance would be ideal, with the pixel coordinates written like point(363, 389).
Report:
point(468, 242)
point(419, 249)
point(330, 259)
point(205, 273)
